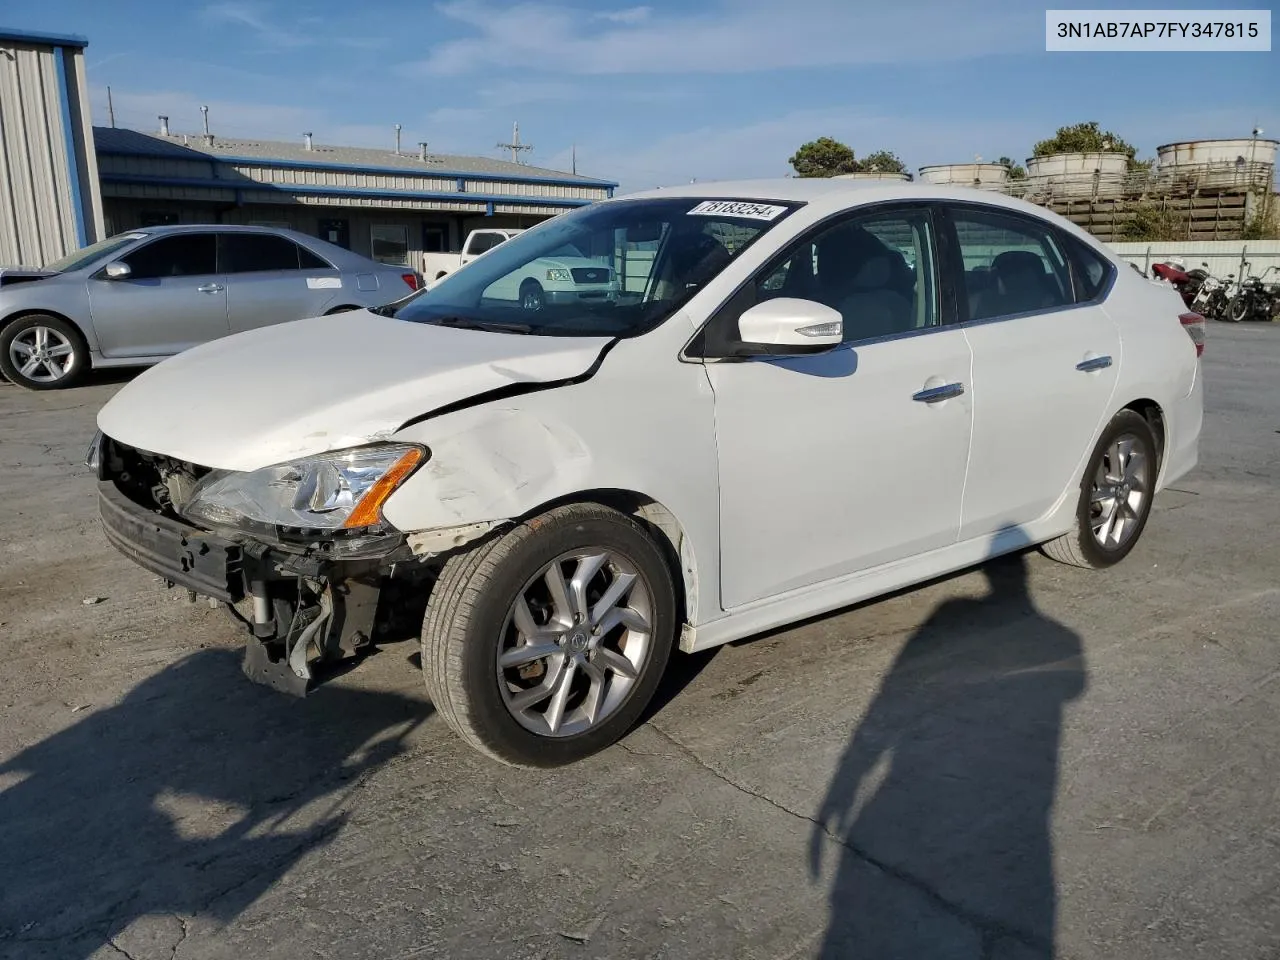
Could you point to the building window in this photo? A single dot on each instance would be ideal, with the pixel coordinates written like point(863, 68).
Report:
point(390, 243)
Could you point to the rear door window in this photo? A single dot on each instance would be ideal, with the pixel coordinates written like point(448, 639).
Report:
point(1012, 264)
point(180, 255)
point(256, 252)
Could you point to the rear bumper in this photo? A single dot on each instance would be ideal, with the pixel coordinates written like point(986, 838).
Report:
point(1183, 422)
point(179, 553)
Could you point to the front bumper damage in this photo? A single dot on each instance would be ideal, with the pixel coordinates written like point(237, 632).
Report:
point(300, 608)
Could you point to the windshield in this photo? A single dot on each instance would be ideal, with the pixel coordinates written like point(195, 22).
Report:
point(95, 251)
point(612, 269)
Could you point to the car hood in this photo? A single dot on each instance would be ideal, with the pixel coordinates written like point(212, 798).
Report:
point(12, 275)
point(297, 389)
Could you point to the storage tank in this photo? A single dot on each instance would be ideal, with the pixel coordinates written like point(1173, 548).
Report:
point(985, 176)
point(1071, 175)
point(1218, 163)
point(872, 175)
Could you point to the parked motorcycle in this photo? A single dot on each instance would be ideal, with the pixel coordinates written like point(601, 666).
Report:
point(1210, 298)
point(1254, 300)
point(1186, 282)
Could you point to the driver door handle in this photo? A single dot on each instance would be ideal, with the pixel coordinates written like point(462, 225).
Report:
point(210, 288)
point(938, 394)
point(1094, 363)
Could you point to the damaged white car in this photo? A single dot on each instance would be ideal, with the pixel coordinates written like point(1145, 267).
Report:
point(799, 394)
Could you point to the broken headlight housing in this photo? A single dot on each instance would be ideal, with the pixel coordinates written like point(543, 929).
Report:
point(338, 492)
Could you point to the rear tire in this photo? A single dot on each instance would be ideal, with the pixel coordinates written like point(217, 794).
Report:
point(345, 308)
point(1115, 496)
point(505, 701)
point(60, 344)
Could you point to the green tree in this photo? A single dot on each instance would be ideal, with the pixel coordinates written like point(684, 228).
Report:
point(882, 161)
point(1150, 222)
point(824, 157)
point(1261, 226)
point(1083, 138)
point(1016, 172)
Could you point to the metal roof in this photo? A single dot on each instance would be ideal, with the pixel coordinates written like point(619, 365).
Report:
point(115, 140)
point(37, 38)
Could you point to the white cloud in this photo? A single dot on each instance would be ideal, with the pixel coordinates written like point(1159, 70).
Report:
point(734, 37)
point(257, 19)
point(630, 15)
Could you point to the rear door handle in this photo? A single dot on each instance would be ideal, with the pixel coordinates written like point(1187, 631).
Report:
point(210, 288)
point(938, 394)
point(1094, 363)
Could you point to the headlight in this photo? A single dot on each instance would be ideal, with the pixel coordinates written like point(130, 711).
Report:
point(339, 490)
point(559, 275)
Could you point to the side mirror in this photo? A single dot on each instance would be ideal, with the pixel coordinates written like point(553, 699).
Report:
point(787, 325)
point(118, 271)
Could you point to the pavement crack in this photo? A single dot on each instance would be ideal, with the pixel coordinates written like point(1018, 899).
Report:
point(120, 950)
point(182, 938)
point(987, 927)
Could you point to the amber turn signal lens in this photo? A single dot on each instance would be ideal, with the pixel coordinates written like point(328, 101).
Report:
point(369, 510)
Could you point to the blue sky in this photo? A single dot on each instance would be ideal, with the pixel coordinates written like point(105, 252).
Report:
point(651, 94)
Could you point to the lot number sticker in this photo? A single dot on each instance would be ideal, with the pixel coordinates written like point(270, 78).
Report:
point(737, 208)
point(324, 283)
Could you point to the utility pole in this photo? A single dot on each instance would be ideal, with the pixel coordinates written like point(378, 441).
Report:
point(111, 108)
point(574, 156)
point(515, 146)
point(397, 139)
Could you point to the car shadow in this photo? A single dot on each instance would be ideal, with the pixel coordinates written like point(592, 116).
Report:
point(193, 794)
point(938, 813)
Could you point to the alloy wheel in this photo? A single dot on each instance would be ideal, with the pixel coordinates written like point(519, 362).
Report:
point(1121, 486)
point(42, 354)
point(575, 643)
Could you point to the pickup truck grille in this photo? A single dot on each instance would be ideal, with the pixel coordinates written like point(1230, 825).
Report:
point(592, 274)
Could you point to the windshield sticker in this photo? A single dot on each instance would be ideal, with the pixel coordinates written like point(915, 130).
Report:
point(737, 208)
point(323, 283)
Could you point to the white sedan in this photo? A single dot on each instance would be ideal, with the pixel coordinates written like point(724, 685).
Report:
point(813, 393)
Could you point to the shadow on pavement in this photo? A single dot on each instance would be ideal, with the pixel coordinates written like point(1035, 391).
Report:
point(186, 797)
point(941, 802)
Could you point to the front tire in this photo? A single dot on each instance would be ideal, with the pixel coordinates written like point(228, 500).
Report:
point(43, 352)
point(532, 296)
point(1115, 496)
point(544, 645)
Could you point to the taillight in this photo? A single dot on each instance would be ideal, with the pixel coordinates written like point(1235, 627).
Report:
point(1193, 323)
point(411, 279)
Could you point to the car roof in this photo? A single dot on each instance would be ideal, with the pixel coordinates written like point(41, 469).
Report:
point(832, 194)
point(161, 230)
point(340, 256)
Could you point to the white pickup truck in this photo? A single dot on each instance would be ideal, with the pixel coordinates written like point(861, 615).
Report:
point(437, 265)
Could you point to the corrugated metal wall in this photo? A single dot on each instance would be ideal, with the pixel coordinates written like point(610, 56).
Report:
point(48, 181)
point(1222, 256)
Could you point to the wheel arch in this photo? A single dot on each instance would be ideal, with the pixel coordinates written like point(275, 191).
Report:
point(1153, 413)
point(661, 524)
point(90, 341)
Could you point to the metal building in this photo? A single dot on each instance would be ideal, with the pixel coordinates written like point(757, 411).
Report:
point(381, 203)
point(50, 203)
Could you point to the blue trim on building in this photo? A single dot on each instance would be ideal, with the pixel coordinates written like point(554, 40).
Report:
point(243, 185)
point(68, 133)
point(461, 175)
point(45, 39)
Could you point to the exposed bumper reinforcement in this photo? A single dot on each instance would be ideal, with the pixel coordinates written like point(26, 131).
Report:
point(181, 554)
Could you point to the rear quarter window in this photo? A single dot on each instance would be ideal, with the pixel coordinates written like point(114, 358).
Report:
point(1090, 271)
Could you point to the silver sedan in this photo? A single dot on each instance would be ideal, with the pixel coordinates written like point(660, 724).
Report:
point(141, 296)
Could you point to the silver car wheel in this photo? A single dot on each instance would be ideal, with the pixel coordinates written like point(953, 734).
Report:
point(576, 640)
point(42, 354)
point(1121, 487)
